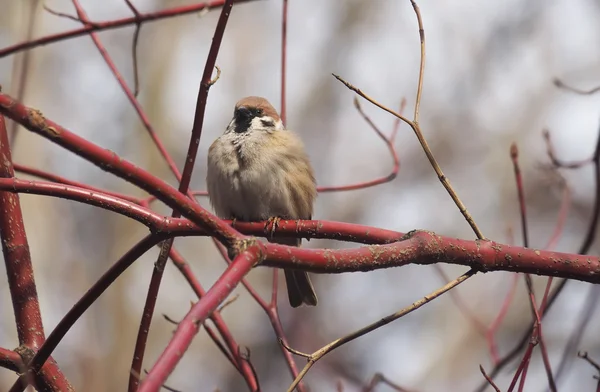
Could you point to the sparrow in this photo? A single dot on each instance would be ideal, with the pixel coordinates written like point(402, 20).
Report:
point(258, 170)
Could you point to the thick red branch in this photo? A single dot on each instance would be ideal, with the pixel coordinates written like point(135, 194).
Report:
point(421, 247)
point(424, 247)
point(21, 282)
point(17, 256)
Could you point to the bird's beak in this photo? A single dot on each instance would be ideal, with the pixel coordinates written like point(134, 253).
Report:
point(242, 114)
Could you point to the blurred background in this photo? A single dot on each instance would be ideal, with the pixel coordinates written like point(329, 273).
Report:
point(488, 83)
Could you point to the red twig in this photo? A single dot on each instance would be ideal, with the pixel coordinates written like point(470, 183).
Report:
point(583, 249)
point(21, 72)
point(538, 337)
point(389, 141)
point(61, 180)
point(419, 247)
point(493, 328)
point(550, 151)
point(136, 35)
point(130, 95)
point(562, 217)
point(113, 24)
point(232, 349)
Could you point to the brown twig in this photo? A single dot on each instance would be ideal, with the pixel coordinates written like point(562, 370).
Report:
point(315, 356)
point(489, 379)
point(560, 84)
point(379, 378)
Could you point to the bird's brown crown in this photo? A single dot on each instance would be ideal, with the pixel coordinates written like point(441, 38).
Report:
point(258, 103)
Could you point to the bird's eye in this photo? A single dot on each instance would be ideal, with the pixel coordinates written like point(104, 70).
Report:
point(259, 112)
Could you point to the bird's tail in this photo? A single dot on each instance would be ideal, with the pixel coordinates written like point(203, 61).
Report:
point(299, 286)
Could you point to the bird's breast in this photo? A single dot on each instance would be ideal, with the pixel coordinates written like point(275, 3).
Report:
point(245, 185)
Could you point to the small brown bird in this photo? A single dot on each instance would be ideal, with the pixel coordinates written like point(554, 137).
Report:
point(258, 170)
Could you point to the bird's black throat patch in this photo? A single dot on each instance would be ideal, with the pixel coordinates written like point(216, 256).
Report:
point(244, 116)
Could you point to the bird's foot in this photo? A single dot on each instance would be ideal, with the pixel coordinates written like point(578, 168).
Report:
point(272, 224)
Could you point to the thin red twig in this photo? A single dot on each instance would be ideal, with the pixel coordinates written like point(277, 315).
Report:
point(538, 337)
point(23, 70)
point(61, 180)
point(389, 142)
point(113, 24)
point(128, 93)
point(583, 249)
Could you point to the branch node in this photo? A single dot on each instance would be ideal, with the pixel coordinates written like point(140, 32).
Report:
point(296, 352)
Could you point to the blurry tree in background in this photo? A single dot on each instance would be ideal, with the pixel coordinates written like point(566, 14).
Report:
point(498, 74)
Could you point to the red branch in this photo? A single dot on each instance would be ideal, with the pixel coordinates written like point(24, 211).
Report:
point(109, 161)
point(418, 247)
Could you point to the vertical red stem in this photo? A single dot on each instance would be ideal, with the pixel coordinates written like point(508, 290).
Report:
point(17, 257)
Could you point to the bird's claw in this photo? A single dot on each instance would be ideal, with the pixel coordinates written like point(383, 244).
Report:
point(272, 224)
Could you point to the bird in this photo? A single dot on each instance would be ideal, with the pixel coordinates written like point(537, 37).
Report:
point(259, 171)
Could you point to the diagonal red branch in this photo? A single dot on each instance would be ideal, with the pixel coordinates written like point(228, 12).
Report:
point(128, 93)
point(189, 326)
point(107, 160)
